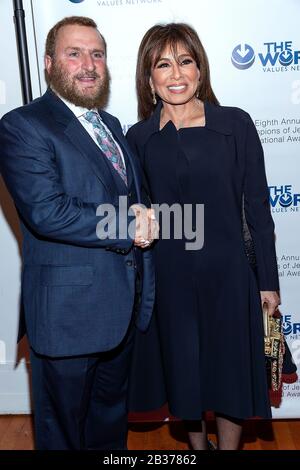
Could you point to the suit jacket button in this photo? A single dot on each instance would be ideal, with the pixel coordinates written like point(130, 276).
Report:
point(130, 194)
point(129, 262)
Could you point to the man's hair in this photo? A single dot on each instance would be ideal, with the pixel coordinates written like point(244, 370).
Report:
point(69, 20)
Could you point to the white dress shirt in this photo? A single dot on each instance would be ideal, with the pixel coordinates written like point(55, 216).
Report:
point(79, 113)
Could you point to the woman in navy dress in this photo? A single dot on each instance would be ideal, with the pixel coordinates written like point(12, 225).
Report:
point(209, 301)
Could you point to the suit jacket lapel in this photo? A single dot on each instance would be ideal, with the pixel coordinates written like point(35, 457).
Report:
point(91, 152)
point(80, 138)
point(135, 174)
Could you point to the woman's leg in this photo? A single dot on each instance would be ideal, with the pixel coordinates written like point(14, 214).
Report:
point(197, 434)
point(229, 432)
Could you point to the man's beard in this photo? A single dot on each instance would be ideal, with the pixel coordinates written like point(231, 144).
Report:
point(67, 88)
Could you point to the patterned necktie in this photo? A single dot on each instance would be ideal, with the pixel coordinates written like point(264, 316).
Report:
point(107, 144)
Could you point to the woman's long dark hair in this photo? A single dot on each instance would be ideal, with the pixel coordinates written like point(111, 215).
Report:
point(153, 43)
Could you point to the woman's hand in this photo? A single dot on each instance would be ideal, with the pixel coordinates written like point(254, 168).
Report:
point(147, 227)
point(271, 299)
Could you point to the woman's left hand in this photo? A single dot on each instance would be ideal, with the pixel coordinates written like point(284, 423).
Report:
point(271, 299)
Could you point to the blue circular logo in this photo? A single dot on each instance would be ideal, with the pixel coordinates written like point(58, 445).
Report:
point(76, 1)
point(287, 328)
point(286, 57)
point(243, 56)
point(285, 200)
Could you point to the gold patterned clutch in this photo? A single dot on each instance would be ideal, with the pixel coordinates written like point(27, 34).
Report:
point(274, 349)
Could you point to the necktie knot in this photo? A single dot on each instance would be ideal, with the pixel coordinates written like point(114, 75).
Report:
point(92, 117)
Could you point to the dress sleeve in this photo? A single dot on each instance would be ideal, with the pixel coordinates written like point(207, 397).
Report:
point(257, 212)
point(132, 140)
point(138, 150)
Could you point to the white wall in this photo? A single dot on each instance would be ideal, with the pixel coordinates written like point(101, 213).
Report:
point(14, 396)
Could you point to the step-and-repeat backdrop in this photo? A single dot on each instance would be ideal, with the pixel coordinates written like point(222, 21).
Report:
point(254, 53)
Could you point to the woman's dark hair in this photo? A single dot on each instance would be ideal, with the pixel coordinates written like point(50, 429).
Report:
point(153, 43)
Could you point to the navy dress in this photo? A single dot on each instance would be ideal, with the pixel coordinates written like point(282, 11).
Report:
point(208, 313)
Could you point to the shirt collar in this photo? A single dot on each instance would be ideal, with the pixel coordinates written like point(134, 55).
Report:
point(214, 119)
point(77, 110)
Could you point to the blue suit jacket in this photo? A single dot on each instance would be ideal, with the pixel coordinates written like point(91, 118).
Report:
point(77, 290)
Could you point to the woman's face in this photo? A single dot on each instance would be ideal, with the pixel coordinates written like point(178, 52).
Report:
point(175, 79)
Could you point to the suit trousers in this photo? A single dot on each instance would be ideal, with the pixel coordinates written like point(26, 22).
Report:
point(81, 402)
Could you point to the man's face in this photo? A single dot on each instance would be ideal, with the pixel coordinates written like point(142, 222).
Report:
point(78, 70)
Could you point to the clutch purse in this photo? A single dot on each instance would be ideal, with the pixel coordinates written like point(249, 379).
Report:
point(274, 349)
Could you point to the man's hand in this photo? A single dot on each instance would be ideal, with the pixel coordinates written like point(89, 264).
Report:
point(147, 228)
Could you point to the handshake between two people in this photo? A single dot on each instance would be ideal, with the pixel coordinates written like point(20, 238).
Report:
point(147, 227)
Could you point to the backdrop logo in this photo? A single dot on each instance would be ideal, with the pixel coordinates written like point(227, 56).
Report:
point(125, 3)
point(290, 328)
point(273, 57)
point(243, 56)
point(76, 1)
point(282, 198)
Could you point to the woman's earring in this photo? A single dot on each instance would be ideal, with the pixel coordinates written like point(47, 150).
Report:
point(198, 91)
point(153, 96)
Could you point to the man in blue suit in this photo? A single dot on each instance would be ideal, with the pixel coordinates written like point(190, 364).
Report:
point(86, 281)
